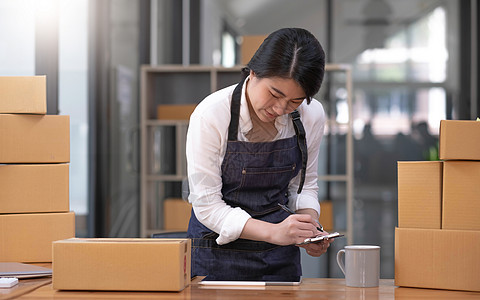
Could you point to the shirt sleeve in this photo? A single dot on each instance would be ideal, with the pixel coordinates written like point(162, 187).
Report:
point(313, 119)
point(205, 149)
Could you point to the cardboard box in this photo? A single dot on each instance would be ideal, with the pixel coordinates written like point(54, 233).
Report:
point(23, 94)
point(176, 214)
point(437, 258)
point(29, 237)
point(121, 264)
point(249, 46)
point(422, 294)
point(459, 140)
point(175, 111)
point(420, 194)
point(34, 188)
point(461, 195)
point(326, 215)
point(34, 138)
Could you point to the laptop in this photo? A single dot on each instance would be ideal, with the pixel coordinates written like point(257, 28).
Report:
point(19, 270)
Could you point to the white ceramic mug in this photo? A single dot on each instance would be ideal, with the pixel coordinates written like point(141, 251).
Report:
point(361, 266)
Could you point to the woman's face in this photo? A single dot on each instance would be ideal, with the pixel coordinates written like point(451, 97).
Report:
point(274, 96)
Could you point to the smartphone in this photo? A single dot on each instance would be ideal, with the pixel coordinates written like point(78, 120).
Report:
point(320, 238)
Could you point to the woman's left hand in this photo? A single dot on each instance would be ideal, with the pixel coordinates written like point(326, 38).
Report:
point(317, 249)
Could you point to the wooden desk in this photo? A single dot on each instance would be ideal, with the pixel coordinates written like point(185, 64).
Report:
point(25, 286)
point(311, 288)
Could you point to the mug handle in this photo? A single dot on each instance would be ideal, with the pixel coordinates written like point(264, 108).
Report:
point(341, 263)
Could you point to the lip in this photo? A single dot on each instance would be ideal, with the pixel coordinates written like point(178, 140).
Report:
point(271, 116)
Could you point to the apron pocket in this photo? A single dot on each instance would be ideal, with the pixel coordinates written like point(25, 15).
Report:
point(269, 177)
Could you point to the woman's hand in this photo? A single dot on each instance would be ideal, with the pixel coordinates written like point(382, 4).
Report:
point(317, 249)
point(293, 230)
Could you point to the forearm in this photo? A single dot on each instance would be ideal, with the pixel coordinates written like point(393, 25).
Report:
point(258, 230)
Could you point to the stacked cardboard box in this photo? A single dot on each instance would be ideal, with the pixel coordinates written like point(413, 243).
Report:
point(437, 241)
point(34, 169)
point(250, 44)
point(175, 111)
point(326, 215)
point(176, 214)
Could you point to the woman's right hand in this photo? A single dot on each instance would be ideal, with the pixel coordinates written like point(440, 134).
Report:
point(294, 230)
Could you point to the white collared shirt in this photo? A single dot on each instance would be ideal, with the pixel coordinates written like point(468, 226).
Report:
point(206, 144)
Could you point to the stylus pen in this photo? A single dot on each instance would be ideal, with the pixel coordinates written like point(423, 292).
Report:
point(287, 209)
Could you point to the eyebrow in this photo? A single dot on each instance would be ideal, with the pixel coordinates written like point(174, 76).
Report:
point(281, 93)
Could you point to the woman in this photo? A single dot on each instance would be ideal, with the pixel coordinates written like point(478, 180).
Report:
point(251, 147)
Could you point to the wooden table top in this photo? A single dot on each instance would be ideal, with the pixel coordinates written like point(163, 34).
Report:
point(310, 288)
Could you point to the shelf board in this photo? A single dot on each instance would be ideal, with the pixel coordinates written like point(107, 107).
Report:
point(333, 123)
point(177, 68)
point(166, 122)
point(338, 67)
point(333, 177)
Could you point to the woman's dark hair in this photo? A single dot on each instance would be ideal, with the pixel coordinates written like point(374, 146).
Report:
point(292, 53)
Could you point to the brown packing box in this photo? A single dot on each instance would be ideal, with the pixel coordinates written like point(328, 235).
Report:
point(121, 264)
point(459, 140)
point(175, 111)
point(249, 46)
point(326, 215)
point(420, 194)
point(29, 237)
point(34, 188)
point(461, 195)
point(34, 138)
point(176, 214)
point(406, 293)
point(437, 258)
point(23, 94)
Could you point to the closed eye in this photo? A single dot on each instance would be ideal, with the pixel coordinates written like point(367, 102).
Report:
point(274, 96)
point(297, 101)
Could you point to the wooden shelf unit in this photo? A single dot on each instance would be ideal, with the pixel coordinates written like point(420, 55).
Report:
point(163, 162)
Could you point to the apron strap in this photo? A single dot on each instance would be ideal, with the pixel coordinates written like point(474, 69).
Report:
point(302, 144)
point(235, 111)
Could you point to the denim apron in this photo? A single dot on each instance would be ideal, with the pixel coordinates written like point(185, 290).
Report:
point(255, 177)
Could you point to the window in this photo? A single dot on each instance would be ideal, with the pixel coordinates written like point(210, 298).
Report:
point(73, 96)
point(403, 82)
point(17, 49)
